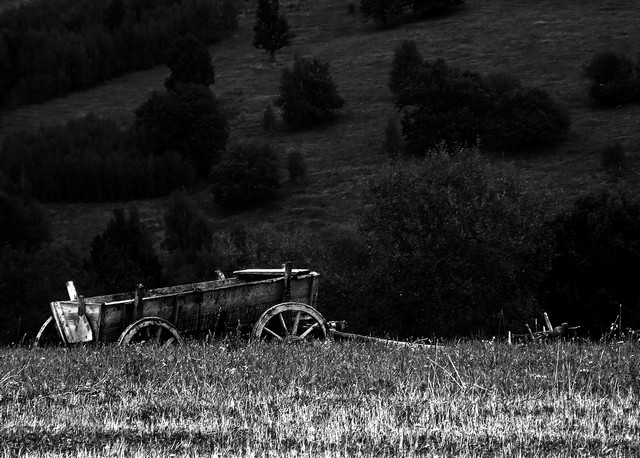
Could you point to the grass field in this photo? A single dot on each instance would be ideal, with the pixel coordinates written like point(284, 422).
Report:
point(330, 399)
point(546, 43)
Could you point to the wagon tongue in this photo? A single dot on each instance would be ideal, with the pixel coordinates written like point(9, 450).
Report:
point(71, 318)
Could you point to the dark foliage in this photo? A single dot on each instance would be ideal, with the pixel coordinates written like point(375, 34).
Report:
point(190, 63)
point(59, 46)
point(123, 255)
point(406, 58)
point(185, 228)
point(29, 281)
point(90, 159)
point(246, 177)
point(615, 80)
point(384, 11)
point(596, 249)
point(308, 95)
point(186, 120)
point(441, 103)
point(452, 246)
point(22, 222)
point(613, 156)
point(296, 167)
point(269, 121)
point(271, 31)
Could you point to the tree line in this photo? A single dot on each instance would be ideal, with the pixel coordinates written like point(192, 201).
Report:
point(52, 47)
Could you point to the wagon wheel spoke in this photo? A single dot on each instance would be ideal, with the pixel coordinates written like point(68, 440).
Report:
point(269, 331)
point(158, 334)
point(146, 333)
point(169, 341)
point(284, 325)
point(311, 328)
point(296, 322)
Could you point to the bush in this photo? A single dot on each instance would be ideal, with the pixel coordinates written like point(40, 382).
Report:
point(613, 156)
point(297, 168)
point(614, 79)
point(22, 222)
point(185, 228)
point(382, 10)
point(308, 95)
point(452, 245)
point(248, 176)
point(596, 258)
point(186, 120)
point(190, 63)
point(440, 103)
point(406, 58)
point(523, 117)
point(123, 255)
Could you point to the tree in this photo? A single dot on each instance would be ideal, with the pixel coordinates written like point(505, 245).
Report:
point(114, 14)
point(187, 120)
point(452, 243)
point(185, 228)
point(382, 10)
point(406, 59)
point(271, 29)
point(190, 63)
point(123, 255)
point(22, 222)
point(614, 79)
point(595, 246)
point(308, 95)
point(248, 176)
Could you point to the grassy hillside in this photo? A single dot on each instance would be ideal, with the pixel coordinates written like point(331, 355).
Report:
point(327, 399)
point(546, 43)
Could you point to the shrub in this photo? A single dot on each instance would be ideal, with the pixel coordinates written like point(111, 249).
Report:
point(596, 257)
point(247, 176)
point(269, 122)
point(613, 156)
point(381, 10)
point(185, 228)
point(406, 58)
point(22, 222)
point(452, 245)
point(440, 103)
point(444, 104)
point(297, 168)
point(392, 140)
point(523, 117)
point(308, 95)
point(187, 120)
point(190, 63)
point(614, 79)
point(123, 255)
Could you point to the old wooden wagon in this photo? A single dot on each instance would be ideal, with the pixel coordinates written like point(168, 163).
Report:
point(264, 304)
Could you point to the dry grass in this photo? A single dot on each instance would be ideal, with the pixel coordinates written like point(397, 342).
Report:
point(330, 399)
point(546, 43)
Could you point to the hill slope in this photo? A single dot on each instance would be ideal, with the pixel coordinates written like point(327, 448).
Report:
point(546, 43)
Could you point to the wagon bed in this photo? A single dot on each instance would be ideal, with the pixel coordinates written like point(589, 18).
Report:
point(273, 304)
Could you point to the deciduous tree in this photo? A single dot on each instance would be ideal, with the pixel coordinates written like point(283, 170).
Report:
point(271, 31)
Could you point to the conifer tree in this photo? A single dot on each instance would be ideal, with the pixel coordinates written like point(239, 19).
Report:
point(271, 29)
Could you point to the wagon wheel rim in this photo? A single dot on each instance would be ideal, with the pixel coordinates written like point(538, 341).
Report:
point(48, 335)
point(150, 331)
point(290, 322)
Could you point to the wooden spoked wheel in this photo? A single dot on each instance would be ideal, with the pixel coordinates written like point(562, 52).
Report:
point(150, 331)
point(48, 335)
point(290, 322)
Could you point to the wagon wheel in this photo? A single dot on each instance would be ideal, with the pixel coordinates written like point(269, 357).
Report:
point(48, 335)
point(290, 322)
point(150, 330)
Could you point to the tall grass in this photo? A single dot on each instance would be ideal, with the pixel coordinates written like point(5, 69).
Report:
point(324, 399)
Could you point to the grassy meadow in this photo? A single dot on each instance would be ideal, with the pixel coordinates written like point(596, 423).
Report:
point(328, 399)
point(546, 43)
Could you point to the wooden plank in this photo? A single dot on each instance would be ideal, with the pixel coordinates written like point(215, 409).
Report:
point(270, 272)
point(74, 326)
